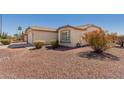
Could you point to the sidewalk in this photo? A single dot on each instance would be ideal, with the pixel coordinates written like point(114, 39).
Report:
point(3, 46)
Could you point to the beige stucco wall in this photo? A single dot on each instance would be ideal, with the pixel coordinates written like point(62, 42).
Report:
point(75, 36)
point(25, 38)
point(30, 37)
point(47, 36)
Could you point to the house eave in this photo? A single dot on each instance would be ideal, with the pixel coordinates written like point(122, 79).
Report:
point(70, 27)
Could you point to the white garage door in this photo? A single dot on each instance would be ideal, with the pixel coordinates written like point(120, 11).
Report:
point(30, 38)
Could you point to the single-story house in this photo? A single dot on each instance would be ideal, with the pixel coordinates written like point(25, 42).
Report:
point(66, 35)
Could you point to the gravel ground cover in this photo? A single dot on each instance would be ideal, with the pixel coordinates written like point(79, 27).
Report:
point(79, 63)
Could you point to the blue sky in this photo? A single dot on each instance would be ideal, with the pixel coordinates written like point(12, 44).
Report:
point(110, 22)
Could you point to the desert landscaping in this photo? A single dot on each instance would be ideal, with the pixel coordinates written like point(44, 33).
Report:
point(61, 63)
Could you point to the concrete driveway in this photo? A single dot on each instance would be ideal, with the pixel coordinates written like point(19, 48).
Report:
point(16, 45)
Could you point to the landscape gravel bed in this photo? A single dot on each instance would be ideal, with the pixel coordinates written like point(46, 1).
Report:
point(56, 64)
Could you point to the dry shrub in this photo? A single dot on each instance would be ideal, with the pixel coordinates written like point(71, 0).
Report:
point(112, 37)
point(98, 40)
point(5, 41)
point(38, 43)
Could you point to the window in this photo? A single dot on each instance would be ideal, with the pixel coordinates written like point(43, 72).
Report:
point(65, 36)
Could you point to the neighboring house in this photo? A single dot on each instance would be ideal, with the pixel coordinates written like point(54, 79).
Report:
point(66, 35)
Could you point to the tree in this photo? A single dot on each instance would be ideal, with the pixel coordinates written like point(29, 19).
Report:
point(98, 40)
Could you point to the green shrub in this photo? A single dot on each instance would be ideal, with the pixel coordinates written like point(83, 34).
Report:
point(38, 43)
point(5, 41)
point(54, 44)
point(120, 41)
point(98, 40)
